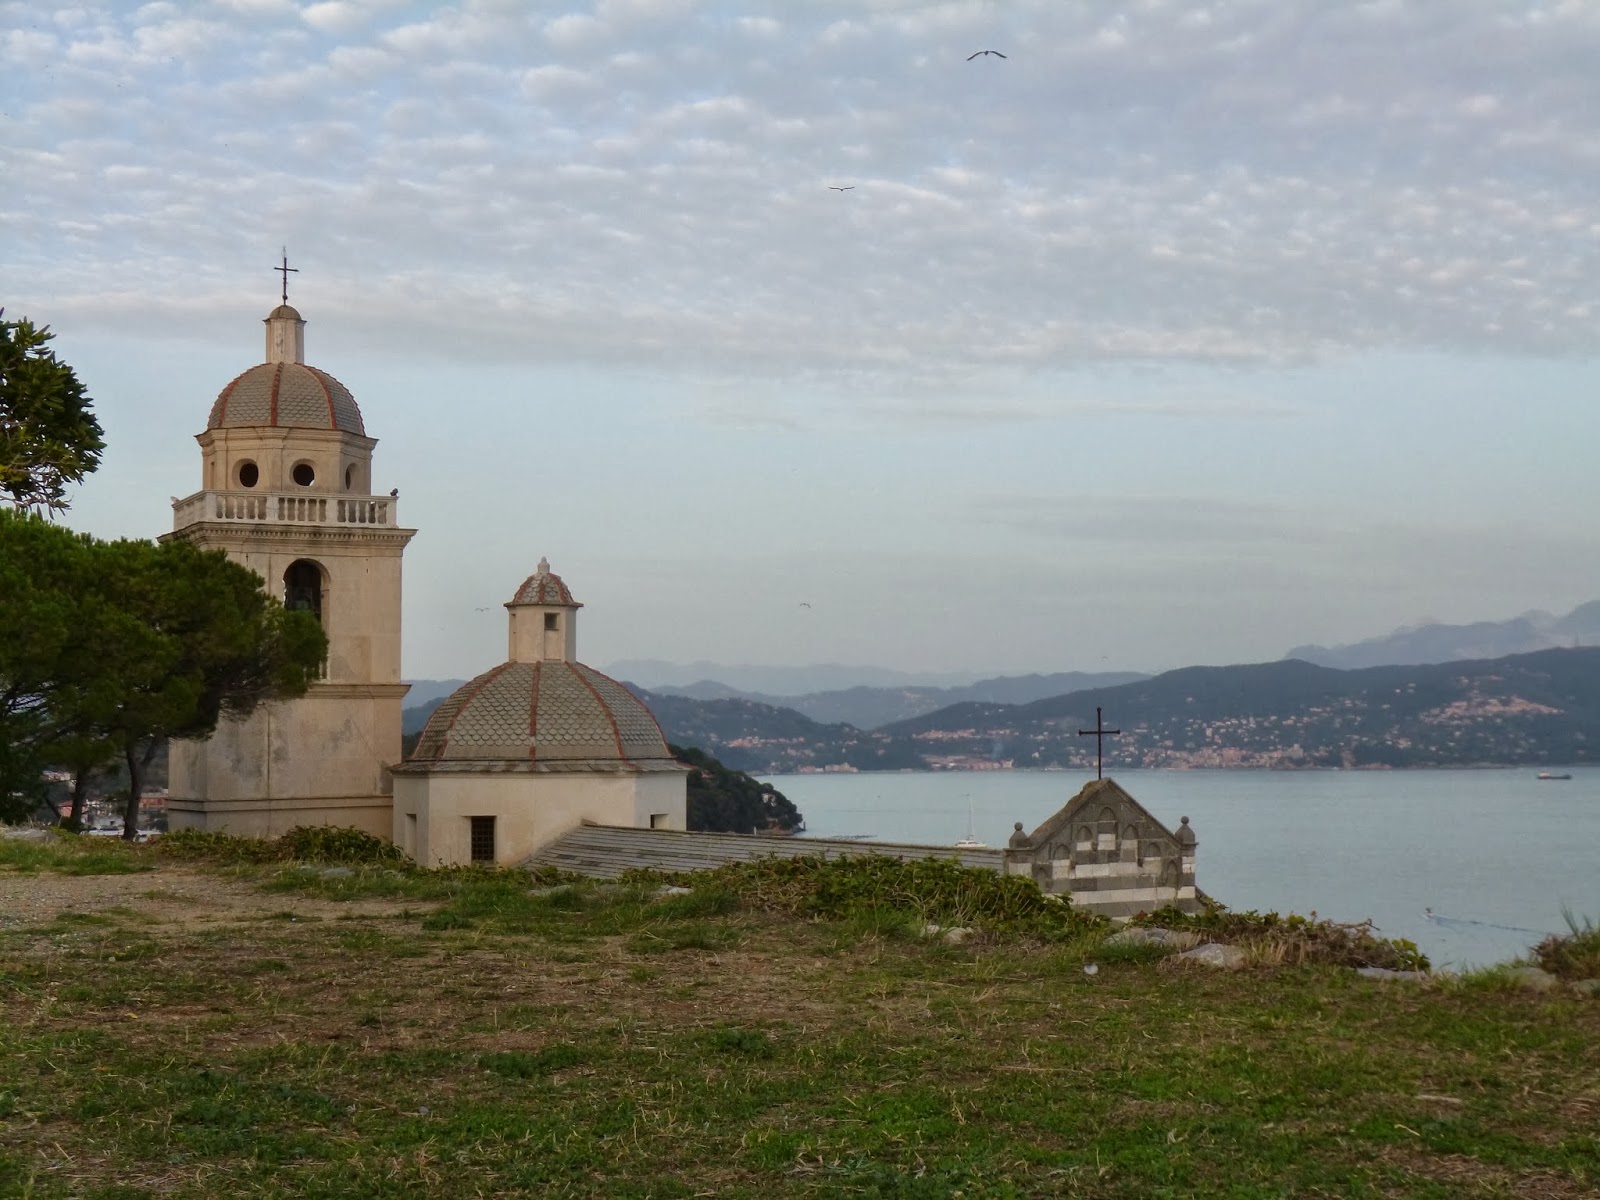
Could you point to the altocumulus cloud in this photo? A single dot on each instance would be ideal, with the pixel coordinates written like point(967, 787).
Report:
point(641, 183)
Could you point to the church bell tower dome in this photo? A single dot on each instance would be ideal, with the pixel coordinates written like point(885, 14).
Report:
point(284, 392)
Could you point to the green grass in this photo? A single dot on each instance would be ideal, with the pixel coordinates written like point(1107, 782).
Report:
point(71, 854)
point(501, 1036)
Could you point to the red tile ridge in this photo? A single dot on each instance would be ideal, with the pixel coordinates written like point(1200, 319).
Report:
point(616, 734)
point(333, 417)
point(227, 394)
point(277, 375)
point(477, 686)
point(533, 713)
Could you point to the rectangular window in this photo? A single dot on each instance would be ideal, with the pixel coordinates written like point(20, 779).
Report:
point(482, 839)
point(551, 622)
point(411, 835)
point(658, 821)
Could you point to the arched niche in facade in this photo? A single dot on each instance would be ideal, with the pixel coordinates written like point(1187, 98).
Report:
point(305, 588)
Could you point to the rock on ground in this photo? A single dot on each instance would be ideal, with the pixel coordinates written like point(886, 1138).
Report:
point(1534, 979)
point(1386, 973)
point(1213, 954)
point(1153, 935)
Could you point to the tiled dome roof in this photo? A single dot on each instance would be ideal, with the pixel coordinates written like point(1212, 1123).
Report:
point(287, 394)
point(543, 587)
point(542, 712)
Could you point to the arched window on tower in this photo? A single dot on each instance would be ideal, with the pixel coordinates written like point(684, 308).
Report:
point(302, 588)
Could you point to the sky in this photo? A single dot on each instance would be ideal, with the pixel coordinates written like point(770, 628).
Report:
point(1182, 333)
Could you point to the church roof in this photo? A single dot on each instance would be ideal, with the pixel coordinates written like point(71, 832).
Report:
point(286, 394)
point(549, 712)
point(1096, 795)
point(544, 587)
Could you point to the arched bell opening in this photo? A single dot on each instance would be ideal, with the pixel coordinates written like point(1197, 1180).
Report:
point(304, 588)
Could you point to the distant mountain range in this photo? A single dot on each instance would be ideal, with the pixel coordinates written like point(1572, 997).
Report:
point(779, 681)
point(1318, 707)
point(1434, 642)
point(1531, 709)
point(870, 707)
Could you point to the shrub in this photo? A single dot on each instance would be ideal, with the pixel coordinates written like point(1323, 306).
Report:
point(304, 843)
point(934, 890)
point(1574, 955)
point(1292, 940)
point(332, 844)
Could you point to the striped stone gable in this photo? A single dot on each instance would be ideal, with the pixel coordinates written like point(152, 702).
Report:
point(1106, 851)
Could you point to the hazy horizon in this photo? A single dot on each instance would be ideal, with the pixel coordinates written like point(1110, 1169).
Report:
point(1181, 334)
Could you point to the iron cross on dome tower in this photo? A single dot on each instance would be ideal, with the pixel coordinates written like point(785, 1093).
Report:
point(1100, 733)
point(284, 270)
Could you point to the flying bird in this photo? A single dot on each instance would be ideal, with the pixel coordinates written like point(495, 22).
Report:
point(850, 188)
point(803, 604)
point(980, 53)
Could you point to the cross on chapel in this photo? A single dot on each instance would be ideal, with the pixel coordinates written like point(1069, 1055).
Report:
point(1100, 733)
point(284, 271)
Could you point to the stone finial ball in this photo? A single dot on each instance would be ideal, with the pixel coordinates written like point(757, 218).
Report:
point(1017, 825)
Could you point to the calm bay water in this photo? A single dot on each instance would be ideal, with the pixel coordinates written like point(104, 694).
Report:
point(1495, 853)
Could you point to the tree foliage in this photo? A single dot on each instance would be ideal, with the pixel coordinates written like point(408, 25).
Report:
point(49, 438)
point(727, 801)
point(108, 649)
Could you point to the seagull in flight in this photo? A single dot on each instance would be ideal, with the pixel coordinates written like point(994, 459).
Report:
point(849, 188)
point(980, 53)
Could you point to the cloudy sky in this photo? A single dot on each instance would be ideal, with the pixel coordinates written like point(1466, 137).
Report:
point(1183, 333)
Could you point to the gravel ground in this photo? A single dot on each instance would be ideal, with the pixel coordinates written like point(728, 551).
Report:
point(168, 894)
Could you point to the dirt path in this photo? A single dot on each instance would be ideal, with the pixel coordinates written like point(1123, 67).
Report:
point(166, 895)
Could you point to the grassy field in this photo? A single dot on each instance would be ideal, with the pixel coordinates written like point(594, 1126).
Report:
point(270, 1029)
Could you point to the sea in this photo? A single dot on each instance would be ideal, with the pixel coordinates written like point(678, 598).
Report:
point(1474, 866)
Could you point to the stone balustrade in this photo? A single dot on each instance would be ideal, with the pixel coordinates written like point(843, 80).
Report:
point(285, 508)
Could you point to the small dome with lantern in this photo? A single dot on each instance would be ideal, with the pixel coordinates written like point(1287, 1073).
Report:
point(527, 751)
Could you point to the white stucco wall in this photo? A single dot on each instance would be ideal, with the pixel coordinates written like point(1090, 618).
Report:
point(431, 812)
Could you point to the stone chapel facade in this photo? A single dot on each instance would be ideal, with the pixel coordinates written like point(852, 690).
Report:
point(286, 490)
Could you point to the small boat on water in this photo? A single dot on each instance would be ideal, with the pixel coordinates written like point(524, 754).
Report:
point(1552, 775)
point(970, 842)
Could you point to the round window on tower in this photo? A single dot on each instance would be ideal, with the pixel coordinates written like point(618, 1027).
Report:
point(249, 474)
point(303, 474)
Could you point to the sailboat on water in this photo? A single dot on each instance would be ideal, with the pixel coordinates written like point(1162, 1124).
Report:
point(970, 842)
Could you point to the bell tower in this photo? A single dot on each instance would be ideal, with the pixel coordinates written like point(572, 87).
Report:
point(286, 480)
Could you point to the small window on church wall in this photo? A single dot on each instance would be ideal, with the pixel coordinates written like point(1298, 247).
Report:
point(303, 474)
point(482, 839)
point(551, 622)
point(302, 588)
point(350, 478)
point(658, 820)
point(249, 474)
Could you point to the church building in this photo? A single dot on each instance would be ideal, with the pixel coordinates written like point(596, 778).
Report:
point(514, 759)
point(539, 759)
point(286, 489)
